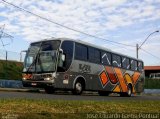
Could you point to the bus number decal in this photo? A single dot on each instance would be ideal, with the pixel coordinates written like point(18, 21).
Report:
point(83, 68)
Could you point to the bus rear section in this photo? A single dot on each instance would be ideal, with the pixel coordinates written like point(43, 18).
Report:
point(94, 69)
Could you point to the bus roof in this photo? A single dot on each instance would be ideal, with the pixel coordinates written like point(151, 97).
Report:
point(89, 44)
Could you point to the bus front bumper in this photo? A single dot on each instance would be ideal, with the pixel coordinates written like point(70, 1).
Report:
point(38, 84)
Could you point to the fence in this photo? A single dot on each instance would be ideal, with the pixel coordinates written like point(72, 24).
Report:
point(11, 64)
point(12, 56)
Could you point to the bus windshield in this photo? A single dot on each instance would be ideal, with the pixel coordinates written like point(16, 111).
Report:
point(41, 57)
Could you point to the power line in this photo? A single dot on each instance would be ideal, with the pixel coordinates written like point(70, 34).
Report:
point(22, 9)
point(2, 29)
point(150, 54)
point(5, 35)
point(155, 64)
point(121, 47)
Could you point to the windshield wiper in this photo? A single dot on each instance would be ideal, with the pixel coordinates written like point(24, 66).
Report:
point(34, 61)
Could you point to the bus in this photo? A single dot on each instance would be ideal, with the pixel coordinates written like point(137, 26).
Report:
point(77, 66)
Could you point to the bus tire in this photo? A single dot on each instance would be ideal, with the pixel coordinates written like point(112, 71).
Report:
point(78, 88)
point(128, 93)
point(103, 93)
point(49, 90)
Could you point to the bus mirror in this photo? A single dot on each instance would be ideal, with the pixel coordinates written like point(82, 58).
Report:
point(60, 51)
point(24, 51)
point(63, 57)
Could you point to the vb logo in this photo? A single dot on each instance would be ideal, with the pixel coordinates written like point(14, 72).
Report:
point(84, 68)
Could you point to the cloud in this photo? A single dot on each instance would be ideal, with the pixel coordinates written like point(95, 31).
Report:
point(90, 17)
point(131, 21)
point(74, 14)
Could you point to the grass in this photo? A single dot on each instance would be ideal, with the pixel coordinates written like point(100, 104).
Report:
point(11, 70)
point(48, 109)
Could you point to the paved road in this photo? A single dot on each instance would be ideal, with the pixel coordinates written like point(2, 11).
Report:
point(68, 96)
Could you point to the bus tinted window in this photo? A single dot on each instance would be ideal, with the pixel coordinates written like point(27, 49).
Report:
point(97, 56)
point(140, 66)
point(106, 58)
point(116, 60)
point(93, 55)
point(50, 45)
point(67, 47)
point(134, 65)
point(80, 52)
point(125, 63)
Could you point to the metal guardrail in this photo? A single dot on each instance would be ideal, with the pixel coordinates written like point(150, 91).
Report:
point(10, 84)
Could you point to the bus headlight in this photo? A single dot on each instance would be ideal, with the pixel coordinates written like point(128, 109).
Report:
point(48, 78)
point(24, 78)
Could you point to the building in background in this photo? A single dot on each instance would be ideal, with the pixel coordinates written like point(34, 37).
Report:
point(153, 71)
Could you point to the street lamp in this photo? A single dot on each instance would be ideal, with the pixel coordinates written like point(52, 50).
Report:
point(138, 47)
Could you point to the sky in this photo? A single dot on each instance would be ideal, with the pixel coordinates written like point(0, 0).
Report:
point(125, 21)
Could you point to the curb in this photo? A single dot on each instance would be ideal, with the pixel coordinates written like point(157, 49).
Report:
point(19, 90)
point(62, 92)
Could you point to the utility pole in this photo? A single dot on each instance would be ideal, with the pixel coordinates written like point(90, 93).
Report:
point(138, 47)
point(5, 35)
point(137, 50)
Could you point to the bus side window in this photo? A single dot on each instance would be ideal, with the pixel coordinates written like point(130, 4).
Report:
point(91, 54)
point(80, 52)
point(97, 56)
point(94, 55)
point(125, 63)
point(134, 65)
point(67, 47)
point(106, 58)
point(116, 60)
point(140, 66)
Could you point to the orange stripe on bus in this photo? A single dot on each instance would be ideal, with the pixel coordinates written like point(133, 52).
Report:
point(135, 77)
point(128, 78)
point(104, 78)
point(117, 89)
point(111, 75)
point(121, 79)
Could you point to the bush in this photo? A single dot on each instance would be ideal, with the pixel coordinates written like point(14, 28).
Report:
point(152, 83)
point(11, 70)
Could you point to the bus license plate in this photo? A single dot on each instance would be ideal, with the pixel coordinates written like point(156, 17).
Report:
point(33, 84)
point(65, 81)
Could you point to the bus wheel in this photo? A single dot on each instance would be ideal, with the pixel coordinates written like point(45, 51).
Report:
point(128, 93)
point(78, 88)
point(103, 93)
point(49, 90)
